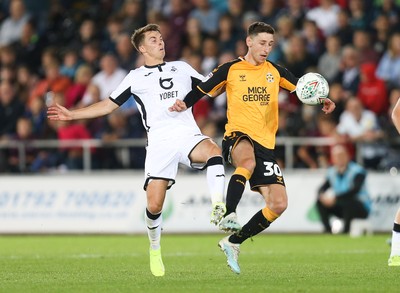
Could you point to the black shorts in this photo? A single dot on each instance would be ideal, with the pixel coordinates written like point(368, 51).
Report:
point(267, 170)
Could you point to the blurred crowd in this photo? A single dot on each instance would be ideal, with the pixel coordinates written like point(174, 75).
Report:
point(75, 52)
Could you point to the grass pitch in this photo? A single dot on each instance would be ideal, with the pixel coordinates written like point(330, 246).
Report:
point(194, 263)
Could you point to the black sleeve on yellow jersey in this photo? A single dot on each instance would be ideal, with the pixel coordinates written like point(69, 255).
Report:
point(192, 97)
point(215, 82)
point(217, 79)
point(286, 74)
point(195, 82)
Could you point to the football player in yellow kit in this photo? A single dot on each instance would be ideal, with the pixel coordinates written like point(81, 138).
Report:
point(252, 84)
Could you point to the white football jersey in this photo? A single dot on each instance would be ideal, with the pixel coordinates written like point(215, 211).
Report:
point(155, 89)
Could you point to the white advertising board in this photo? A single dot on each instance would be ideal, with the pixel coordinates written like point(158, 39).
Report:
point(115, 203)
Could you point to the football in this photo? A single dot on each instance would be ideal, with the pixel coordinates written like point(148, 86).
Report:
point(312, 88)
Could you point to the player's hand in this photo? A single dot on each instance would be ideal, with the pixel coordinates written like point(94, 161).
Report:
point(58, 112)
point(179, 106)
point(327, 201)
point(329, 106)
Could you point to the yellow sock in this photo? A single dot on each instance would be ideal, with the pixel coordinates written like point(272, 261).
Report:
point(269, 215)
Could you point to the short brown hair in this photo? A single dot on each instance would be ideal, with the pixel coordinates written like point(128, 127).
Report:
point(138, 35)
point(260, 27)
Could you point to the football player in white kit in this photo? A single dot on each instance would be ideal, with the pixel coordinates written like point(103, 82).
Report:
point(173, 138)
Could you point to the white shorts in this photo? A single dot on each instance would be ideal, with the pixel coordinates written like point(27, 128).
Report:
point(162, 159)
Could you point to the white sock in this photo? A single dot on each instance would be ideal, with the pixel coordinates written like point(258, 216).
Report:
point(395, 250)
point(154, 230)
point(216, 180)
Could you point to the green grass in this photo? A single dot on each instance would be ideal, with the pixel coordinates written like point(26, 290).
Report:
point(270, 263)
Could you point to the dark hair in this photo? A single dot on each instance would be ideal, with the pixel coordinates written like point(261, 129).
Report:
point(138, 35)
point(260, 27)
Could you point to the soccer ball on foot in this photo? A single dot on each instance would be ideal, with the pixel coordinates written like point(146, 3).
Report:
point(312, 88)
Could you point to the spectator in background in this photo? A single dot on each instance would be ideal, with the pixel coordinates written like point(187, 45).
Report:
point(389, 65)
point(362, 43)
point(359, 18)
point(344, 193)
point(236, 11)
point(113, 29)
point(314, 39)
point(173, 42)
point(30, 45)
point(344, 31)
point(178, 16)
point(91, 54)
point(23, 134)
point(325, 15)
point(361, 127)
point(132, 14)
point(48, 57)
point(11, 109)
point(74, 94)
point(7, 73)
point(218, 111)
point(26, 81)
point(295, 10)
point(162, 7)
point(269, 10)
point(209, 55)
point(392, 158)
point(227, 35)
point(72, 156)
point(382, 29)
point(12, 27)
point(8, 56)
point(194, 37)
point(116, 128)
point(70, 63)
point(207, 17)
point(296, 58)
point(329, 62)
point(52, 82)
point(313, 157)
point(349, 74)
point(337, 95)
point(108, 77)
point(35, 111)
point(87, 33)
point(95, 126)
point(249, 17)
point(388, 8)
point(372, 91)
point(285, 30)
point(126, 56)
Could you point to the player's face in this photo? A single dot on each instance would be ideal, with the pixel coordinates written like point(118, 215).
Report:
point(260, 46)
point(153, 46)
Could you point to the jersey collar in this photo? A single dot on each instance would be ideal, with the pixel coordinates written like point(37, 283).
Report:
point(156, 66)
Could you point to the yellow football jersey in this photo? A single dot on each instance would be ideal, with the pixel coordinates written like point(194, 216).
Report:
point(252, 97)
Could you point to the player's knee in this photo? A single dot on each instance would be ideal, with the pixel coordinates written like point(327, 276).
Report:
point(279, 206)
point(249, 164)
point(154, 208)
point(214, 150)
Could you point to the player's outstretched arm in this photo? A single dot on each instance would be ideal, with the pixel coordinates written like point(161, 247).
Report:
point(329, 106)
point(58, 112)
point(396, 115)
